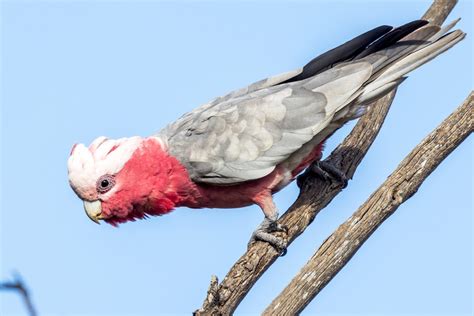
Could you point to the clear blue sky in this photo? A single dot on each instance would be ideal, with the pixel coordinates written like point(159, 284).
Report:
point(72, 71)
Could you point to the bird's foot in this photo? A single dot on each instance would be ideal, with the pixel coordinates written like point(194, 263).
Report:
point(263, 233)
point(325, 171)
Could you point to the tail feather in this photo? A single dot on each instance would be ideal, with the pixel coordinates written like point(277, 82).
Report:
point(374, 94)
point(393, 68)
point(411, 43)
point(408, 45)
point(444, 29)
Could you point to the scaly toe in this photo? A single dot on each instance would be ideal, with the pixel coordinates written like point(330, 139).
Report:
point(276, 242)
point(281, 228)
point(277, 227)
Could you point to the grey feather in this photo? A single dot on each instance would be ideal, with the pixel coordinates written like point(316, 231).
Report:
point(246, 137)
point(245, 134)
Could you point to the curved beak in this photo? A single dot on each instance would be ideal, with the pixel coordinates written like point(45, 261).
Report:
point(93, 210)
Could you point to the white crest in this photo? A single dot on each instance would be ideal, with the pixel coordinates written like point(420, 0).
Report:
point(103, 156)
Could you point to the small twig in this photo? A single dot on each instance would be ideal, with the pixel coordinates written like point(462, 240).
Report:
point(18, 285)
point(339, 248)
point(212, 298)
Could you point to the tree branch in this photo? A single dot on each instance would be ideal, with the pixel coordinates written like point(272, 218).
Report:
point(339, 248)
point(439, 11)
point(19, 286)
point(260, 256)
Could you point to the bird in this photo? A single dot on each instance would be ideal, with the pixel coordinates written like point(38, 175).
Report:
point(241, 148)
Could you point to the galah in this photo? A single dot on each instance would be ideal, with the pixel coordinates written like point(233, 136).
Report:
point(241, 148)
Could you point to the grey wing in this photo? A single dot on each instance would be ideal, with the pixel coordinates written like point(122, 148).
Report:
point(187, 119)
point(247, 133)
point(245, 137)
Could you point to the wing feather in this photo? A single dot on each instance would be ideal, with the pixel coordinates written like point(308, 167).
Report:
point(245, 134)
point(245, 137)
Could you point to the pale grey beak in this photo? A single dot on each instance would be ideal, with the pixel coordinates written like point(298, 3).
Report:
point(93, 210)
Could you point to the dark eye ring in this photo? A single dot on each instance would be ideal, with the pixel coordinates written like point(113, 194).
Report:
point(105, 183)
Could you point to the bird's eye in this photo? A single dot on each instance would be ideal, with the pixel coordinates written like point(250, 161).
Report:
point(105, 183)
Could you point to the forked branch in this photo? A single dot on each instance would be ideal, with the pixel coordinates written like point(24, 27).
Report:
point(314, 196)
point(339, 248)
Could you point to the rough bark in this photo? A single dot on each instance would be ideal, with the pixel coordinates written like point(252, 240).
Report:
point(314, 196)
point(260, 256)
point(339, 248)
point(439, 11)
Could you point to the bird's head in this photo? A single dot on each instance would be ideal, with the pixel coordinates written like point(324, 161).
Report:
point(123, 180)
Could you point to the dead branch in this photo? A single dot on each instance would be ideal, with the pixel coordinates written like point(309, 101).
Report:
point(249, 268)
point(439, 11)
point(258, 258)
point(339, 248)
point(19, 286)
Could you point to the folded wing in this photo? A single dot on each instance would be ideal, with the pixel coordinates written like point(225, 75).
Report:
point(245, 134)
point(246, 137)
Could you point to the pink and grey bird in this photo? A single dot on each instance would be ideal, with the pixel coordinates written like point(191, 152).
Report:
point(241, 148)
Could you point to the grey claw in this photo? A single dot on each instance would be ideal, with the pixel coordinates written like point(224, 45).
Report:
point(282, 228)
point(277, 227)
point(263, 233)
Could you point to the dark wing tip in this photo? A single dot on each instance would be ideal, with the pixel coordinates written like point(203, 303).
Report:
point(343, 52)
point(358, 47)
point(392, 37)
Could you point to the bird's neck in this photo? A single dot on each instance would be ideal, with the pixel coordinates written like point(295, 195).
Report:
point(173, 183)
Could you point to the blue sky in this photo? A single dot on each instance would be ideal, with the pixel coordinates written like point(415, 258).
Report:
point(72, 71)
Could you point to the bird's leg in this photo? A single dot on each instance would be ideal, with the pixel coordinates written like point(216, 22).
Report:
point(269, 225)
point(325, 171)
